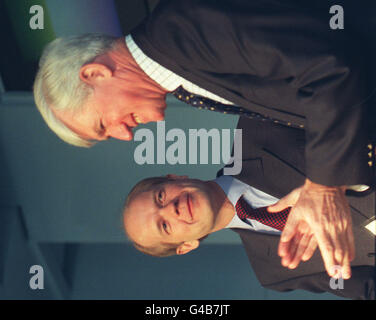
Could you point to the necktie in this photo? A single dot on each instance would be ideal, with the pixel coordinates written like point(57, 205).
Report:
point(276, 220)
point(201, 102)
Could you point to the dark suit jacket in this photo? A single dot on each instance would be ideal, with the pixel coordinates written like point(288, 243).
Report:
point(278, 58)
point(277, 169)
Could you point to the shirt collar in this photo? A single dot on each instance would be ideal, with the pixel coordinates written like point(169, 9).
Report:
point(233, 188)
point(164, 77)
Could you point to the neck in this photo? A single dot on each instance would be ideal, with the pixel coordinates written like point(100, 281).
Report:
point(124, 62)
point(221, 205)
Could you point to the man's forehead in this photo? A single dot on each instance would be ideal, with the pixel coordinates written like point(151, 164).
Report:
point(83, 121)
point(140, 218)
point(150, 185)
point(142, 195)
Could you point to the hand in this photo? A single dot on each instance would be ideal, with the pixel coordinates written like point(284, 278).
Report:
point(325, 213)
point(303, 244)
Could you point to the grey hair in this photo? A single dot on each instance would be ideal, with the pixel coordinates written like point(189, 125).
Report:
point(58, 83)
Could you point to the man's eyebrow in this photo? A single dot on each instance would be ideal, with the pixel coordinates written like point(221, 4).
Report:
point(155, 196)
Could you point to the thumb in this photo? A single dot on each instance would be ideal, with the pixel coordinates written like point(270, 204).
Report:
point(287, 201)
point(278, 206)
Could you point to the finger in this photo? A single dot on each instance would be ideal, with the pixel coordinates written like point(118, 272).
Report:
point(279, 206)
point(340, 248)
point(327, 252)
point(287, 201)
point(301, 248)
point(291, 227)
point(283, 248)
point(351, 241)
point(346, 268)
point(349, 254)
point(311, 248)
point(289, 231)
point(294, 245)
point(344, 251)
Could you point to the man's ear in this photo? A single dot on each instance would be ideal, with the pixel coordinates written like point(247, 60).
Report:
point(175, 176)
point(91, 73)
point(187, 246)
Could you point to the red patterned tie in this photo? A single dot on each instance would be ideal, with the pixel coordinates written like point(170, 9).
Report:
point(276, 220)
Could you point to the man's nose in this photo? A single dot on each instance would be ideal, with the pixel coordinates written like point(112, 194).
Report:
point(158, 115)
point(175, 210)
point(119, 131)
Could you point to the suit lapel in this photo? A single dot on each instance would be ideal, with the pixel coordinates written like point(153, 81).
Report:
point(271, 174)
point(262, 251)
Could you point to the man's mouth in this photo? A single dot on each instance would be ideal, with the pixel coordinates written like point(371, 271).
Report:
point(136, 118)
point(130, 122)
point(128, 131)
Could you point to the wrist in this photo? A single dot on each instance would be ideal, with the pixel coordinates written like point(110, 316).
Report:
point(316, 187)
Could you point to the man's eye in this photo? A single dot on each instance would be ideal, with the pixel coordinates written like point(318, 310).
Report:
point(102, 127)
point(166, 228)
point(160, 196)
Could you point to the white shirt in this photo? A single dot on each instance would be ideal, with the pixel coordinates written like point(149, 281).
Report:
point(234, 189)
point(164, 77)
